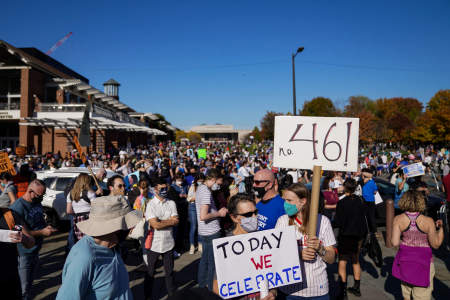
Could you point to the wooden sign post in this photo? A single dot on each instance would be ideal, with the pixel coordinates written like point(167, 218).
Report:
point(314, 205)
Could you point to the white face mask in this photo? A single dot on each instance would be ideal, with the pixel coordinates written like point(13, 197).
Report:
point(215, 187)
point(250, 224)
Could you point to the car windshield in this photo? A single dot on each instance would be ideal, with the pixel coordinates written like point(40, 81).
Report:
point(62, 183)
point(49, 181)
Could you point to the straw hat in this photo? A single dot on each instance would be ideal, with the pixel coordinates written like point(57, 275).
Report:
point(109, 214)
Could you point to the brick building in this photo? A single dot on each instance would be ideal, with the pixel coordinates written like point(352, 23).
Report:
point(42, 104)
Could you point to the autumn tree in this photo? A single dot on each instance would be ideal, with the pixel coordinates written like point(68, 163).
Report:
point(194, 137)
point(319, 107)
point(434, 125)
point(396, 118)
point(256, 134)
point(357, 105)
point(363, 108)
point(268, 125)
point(180, 134)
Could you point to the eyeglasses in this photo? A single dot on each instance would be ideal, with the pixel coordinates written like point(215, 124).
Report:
point(249, 214)
point(258, 182)
point(121, 186)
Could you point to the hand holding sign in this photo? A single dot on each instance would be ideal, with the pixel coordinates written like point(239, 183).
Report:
point(270, 255)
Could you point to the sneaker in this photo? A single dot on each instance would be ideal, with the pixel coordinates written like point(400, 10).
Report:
point(200, 249)
point(192, 249)
point(176, 254)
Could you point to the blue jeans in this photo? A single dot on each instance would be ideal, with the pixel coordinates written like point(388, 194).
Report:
point(192, 223)
point(324, 297)
point(27, 268)
point(206, 267)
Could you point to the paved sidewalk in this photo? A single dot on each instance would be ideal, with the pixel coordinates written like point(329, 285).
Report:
point(376, 284)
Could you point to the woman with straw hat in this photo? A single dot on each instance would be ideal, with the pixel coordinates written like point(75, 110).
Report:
point(94, 268)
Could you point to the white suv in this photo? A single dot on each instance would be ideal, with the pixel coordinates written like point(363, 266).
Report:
point(57, 181)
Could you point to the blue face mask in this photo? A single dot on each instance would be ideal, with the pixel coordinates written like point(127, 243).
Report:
point(290, 209)
point(3, 185)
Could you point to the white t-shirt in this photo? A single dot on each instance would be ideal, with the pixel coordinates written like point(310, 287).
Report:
point(163, 210)
point(316, 281)
point(82, 206)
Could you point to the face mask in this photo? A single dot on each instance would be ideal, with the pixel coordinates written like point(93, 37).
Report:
point(215, 187)
point(122, 235)
point(179, 182)
point(260, 191)
point(290, 209)
point(37, 199)
point(163, 193)
point(249, 224)
point(3, 185)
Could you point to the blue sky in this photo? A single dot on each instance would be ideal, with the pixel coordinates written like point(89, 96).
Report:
point(230, 61)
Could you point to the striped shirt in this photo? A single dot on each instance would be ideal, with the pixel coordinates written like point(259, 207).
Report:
point(314, 273)
point(203, 196)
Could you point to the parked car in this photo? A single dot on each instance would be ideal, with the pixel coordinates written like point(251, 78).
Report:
point(57, 181)
point(387, 191)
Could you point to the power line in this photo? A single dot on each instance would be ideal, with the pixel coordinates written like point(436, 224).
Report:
point(270, 62)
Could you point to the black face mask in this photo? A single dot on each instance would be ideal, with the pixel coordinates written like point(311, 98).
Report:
point(122, 235)
point(260, 191)
point(37, 199)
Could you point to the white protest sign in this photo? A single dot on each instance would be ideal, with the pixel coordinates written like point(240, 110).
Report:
point(304, 142)
point(414, 170)
point(244, 262)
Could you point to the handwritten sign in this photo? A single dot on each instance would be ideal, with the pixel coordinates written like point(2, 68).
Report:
point(201, 153)
point(5, 164)
point(414, 170)
point(244, 262)
point(303, 142)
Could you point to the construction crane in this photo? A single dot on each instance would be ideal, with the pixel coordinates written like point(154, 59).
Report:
point(59, 43)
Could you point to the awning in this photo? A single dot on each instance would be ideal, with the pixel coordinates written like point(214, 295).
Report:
point(96, 122)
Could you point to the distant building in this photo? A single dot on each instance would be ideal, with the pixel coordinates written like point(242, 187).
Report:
point(42, 104)
point(220, 133)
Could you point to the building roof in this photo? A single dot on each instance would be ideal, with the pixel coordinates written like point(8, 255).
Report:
point(54, 63)
point(213, 128)
point(41, 61)
point(111, 82)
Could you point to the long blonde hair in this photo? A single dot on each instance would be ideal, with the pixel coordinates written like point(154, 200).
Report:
point(82, 183)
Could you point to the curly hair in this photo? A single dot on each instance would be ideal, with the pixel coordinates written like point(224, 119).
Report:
point(412, 201)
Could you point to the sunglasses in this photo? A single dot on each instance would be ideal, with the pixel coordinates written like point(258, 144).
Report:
point(258, 182)
point(249, 214)
point(121, 186)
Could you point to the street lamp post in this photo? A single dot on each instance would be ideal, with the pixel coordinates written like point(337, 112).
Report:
point(294, 100)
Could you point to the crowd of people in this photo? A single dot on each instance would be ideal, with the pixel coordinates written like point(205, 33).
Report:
point(171, 201)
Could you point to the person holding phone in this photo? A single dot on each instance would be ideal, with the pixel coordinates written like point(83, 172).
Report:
point(29, 208)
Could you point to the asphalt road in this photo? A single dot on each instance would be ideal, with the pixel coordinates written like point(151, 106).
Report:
point(376, 283)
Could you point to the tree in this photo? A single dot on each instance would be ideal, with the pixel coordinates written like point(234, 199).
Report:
point(357, 105)
point(180, 134)
point(396, 118)
point(268, 125)
point(256, 134)
point(319, 107)
point(434, 125)
point(194, 137)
